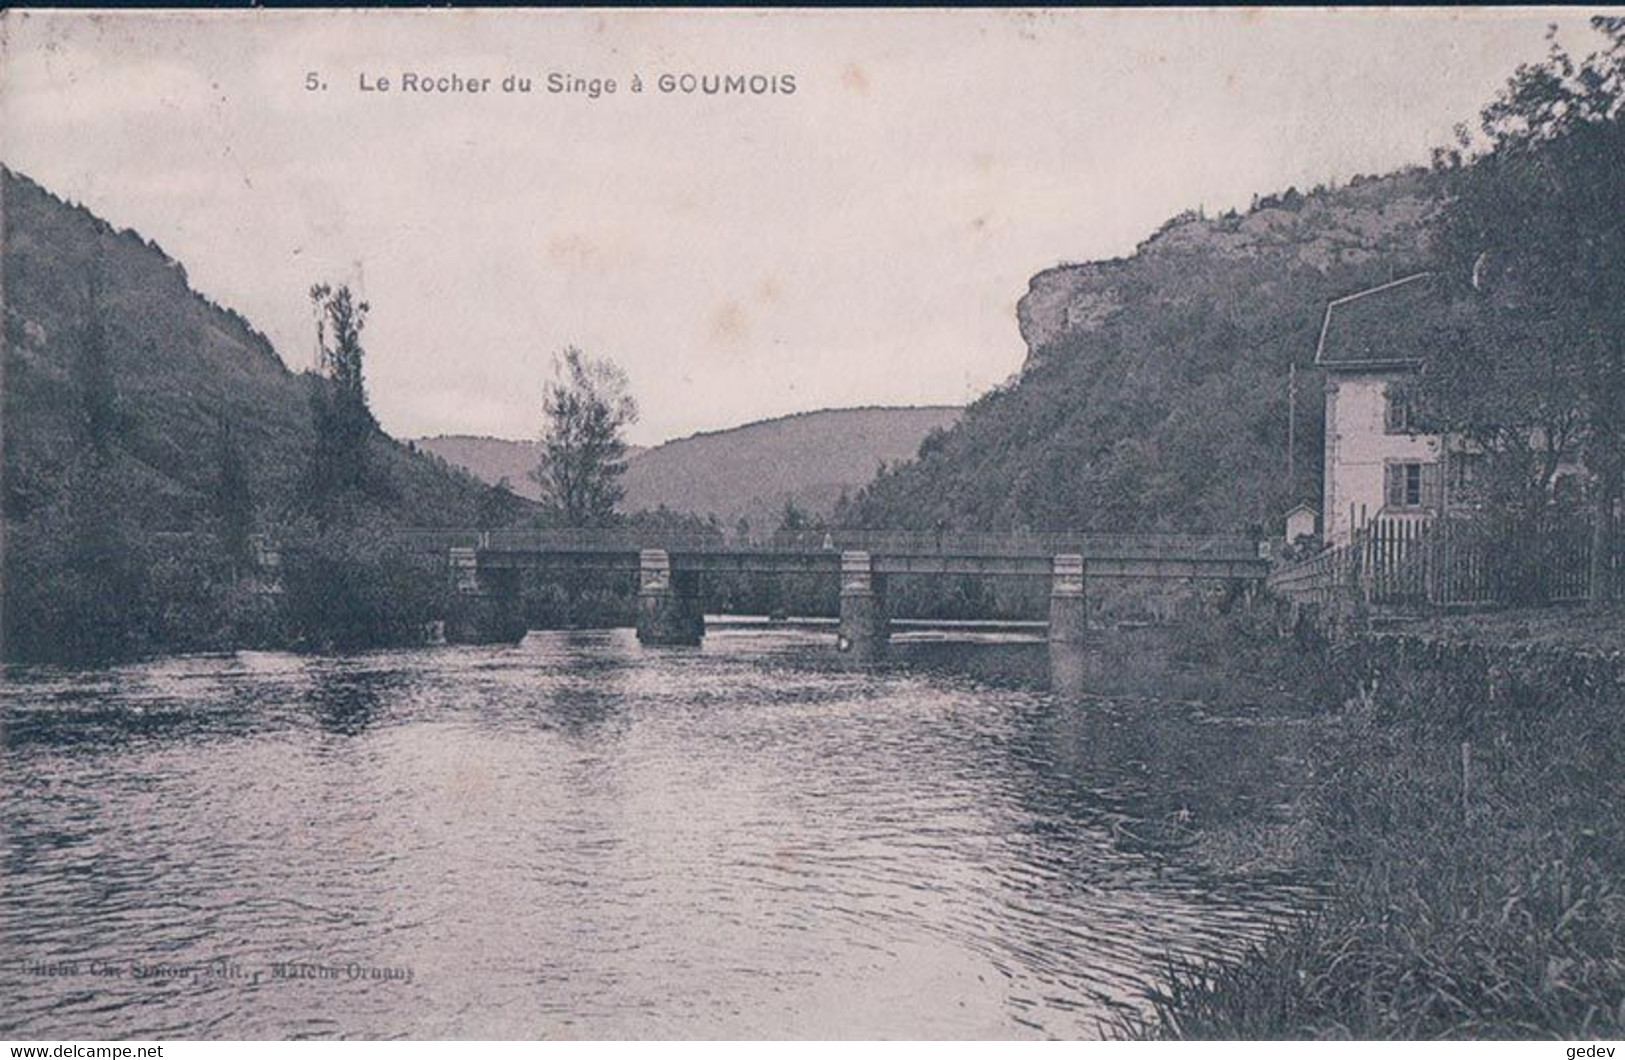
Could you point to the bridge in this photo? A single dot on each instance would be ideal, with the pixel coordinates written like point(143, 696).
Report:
point(486, 565)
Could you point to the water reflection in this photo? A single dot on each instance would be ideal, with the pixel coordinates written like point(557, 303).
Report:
point(346, 701)
point(576, 836)
point(1069, 670)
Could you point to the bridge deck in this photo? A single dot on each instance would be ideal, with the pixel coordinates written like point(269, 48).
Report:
point(830, 563)
point(892, 552)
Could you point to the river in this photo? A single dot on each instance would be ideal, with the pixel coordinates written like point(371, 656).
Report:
point(579, 837)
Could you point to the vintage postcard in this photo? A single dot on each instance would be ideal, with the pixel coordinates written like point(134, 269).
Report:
point(812, 524)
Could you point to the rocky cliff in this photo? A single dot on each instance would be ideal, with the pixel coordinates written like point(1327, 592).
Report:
point(1154, 394)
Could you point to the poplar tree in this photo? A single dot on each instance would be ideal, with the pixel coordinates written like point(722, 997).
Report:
point(342, 420)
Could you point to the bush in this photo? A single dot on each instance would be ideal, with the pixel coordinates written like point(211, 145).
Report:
point(355, 587)
point(75, 586)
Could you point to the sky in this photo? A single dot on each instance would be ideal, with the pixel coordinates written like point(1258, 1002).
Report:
point(862, 240)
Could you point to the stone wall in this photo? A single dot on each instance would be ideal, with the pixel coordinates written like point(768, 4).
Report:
point(1465, 684)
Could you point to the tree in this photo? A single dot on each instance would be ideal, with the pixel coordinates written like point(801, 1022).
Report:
point(497, 505)
point(1532, 240)
point(89, 589)
point(233, 502)
point(93, 372)
point(339, 409)
point(358, 587)
point(793, 520)
point(585, 408)
point(1502, 383)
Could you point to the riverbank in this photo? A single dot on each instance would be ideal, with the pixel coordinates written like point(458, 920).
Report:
point(1463, 808)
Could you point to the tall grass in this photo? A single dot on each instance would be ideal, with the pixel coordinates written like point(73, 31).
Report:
point(1473, 841)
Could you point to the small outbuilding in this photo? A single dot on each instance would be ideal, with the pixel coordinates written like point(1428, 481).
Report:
point(1301, 522)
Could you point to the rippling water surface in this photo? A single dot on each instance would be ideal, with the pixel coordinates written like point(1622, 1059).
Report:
point(580, 837)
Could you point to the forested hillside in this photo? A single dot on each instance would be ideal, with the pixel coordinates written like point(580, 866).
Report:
point(753, 471)
point(179, 370)
point(494, 460)
point(149, 434)
point(1154, 395)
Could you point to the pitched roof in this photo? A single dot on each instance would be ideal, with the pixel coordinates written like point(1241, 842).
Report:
point(1381, 327)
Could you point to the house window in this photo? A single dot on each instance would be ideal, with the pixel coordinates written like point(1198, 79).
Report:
point(1412, 486)
point(1408, 486)
point(1466, 477)
point(1400, 410)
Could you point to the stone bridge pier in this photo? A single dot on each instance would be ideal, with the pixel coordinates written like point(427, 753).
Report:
point(489, 607)
point(865, 621)
point(670, 610)
point(1068, 605)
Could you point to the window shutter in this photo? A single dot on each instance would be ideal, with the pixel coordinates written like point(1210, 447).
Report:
point(1432, 486)
point(1391, 411)
point(1395, 485)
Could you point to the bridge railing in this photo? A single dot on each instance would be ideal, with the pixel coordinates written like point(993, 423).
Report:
point(879, 542)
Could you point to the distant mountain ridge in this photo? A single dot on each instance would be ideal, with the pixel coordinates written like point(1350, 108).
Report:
point(749, 472)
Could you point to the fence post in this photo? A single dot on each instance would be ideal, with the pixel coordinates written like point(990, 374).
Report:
point(1466, 780)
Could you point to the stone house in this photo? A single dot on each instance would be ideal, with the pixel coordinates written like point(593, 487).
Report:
point(1377, 463)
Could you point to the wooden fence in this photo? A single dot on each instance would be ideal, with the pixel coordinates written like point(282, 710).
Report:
point(1452, 562)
